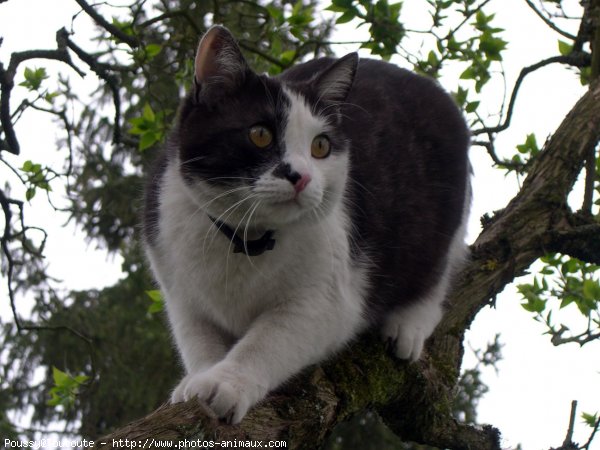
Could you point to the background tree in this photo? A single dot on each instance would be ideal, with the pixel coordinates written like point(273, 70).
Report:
point(142, 57)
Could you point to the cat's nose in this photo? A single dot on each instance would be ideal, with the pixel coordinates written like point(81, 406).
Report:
point(301, 183)
point(298, 180)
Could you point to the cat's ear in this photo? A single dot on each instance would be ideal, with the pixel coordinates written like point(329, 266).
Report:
point(334, 84)
point(219, 65)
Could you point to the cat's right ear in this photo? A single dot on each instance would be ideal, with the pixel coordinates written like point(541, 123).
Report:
point(220, 67)
point(335, 83)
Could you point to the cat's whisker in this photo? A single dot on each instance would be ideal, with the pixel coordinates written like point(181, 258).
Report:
point(191, 160)
point(229, 211)
point(223, 194)
point(201, 208)
point(326, 233)
point(360, 185)
point(268, 94)
point(252, 210)
point(230, 178)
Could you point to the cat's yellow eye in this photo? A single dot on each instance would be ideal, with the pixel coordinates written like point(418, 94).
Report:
point(261, 136)
point(320, 147)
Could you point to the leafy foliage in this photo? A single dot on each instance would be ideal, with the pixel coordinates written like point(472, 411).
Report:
point(564, 281)
point(65, 389)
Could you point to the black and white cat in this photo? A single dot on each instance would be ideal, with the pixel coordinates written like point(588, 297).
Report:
point(288, 214)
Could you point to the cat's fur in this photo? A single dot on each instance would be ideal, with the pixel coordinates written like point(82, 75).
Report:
point(370, 236)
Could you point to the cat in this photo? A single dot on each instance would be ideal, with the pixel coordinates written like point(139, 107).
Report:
point(288, 214)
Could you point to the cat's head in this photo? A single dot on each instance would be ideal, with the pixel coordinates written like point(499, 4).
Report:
point(260, 151)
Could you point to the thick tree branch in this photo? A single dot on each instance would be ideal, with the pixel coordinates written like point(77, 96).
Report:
point(590, 167)
point(519, 234)
point(303, 412)
point(581, 242)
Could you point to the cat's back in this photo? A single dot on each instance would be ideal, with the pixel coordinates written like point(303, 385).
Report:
point(409, 172)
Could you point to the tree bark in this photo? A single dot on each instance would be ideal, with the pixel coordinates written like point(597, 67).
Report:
point(415, 399)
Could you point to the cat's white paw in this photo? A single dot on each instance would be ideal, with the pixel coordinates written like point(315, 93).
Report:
point(408, 328)
point(177, 394)
point(224, 389)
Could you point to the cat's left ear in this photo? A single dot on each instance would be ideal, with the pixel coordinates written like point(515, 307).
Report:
point(334, 84)
point(219, 65)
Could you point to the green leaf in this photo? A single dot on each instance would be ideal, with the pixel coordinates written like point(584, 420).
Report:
point(590, 419)
point(288, 56)
point(60, 378)
point(530, 146)
point(50, 96)
point(153, 49)
point(346, 17)
point(27, 165)
point(570, 266)
point(147, 140)
point(591, 290)
point(468, 74)
point(432, 59)
point(34, 78)
point(492, 46)
point(342, 3)
point(30, 193)
point(65, 388)
point(276, 14)
point(564, 48)
point(148, 114)
point(157, 301)
point(472, 106)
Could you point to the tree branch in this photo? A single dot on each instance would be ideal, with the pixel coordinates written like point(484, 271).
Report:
point(574, 59)
point(115, 31)
point(581, 242)
point(548, 21)
point(7, 82)
point(104, 73)
point(303, 412)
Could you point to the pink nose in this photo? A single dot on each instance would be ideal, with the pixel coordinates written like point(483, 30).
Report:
point(301, 184)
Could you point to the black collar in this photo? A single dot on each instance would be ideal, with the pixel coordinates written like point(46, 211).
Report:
point(251, 248)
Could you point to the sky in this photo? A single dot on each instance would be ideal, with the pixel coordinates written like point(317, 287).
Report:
point(531, 392)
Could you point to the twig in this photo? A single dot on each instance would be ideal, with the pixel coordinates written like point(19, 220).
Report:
point(103, 72)
point(489, 146)
point(548, 21)
point(573, 59)
point(7, 82)
point(586, 446)
point(115, 31)
point(569, 438)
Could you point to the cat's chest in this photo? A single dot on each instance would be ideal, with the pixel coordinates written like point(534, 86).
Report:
point(202, 274)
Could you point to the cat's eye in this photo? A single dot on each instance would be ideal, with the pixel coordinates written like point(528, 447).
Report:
point(320, 147)
point(261, 136)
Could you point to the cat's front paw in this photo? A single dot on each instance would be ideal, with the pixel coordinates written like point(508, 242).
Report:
point(177, 394)
point(407, 342)
point(407, 329)
point(224, 389)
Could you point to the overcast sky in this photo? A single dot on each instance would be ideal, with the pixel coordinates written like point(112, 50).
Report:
point(529, 398)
